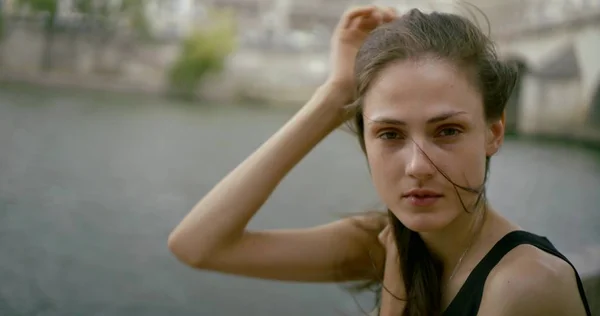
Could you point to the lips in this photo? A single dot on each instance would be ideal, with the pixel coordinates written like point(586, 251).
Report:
point(422, 193)
point(422, 197)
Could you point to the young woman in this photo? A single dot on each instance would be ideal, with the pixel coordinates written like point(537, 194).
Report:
point(427, 95)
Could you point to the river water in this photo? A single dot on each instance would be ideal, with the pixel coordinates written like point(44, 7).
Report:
point(91, 184)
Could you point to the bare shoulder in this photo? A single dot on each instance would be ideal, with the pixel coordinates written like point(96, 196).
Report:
point(529, 281)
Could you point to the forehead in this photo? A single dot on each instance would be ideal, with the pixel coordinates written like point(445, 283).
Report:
point(421, 89)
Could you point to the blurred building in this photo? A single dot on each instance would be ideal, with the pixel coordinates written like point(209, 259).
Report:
point(174, 18)
point(285, 42)
point(553, 43)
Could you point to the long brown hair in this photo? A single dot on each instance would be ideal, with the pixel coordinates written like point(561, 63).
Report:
point(457, 40)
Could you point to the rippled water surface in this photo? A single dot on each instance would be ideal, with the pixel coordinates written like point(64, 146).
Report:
point(91, 184)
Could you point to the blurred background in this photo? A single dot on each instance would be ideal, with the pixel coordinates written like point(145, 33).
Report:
point(117, 116)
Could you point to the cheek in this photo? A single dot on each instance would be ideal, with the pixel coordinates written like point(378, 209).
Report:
point(378, 159)
point(386, 166)
point(471, 161)
point(473, 168)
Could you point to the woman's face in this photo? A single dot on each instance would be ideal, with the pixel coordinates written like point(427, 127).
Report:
point(424, 119)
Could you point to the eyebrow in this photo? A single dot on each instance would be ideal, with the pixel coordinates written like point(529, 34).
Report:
point(435, 119)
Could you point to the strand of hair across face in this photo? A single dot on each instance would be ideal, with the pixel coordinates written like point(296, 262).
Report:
point(481, 197)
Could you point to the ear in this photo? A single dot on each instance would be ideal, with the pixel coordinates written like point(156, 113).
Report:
point(495, 136)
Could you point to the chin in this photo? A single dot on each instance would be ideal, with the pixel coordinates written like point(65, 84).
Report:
point(424, 222)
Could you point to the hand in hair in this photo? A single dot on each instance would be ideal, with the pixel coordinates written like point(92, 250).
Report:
point(349, 35)
point(214, 234)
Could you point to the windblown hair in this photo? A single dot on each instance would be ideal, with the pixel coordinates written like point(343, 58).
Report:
point(457, 40)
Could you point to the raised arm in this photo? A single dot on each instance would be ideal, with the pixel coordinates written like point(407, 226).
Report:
point(213, 235)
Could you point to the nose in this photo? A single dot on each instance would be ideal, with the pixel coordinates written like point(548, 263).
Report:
point(419, 166)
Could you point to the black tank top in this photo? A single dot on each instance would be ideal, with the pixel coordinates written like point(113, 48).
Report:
point(467, 300)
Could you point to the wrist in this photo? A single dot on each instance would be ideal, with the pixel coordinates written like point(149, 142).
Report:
point(328, 105)
point(341, 91)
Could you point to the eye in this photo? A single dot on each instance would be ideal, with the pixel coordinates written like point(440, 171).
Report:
point(449, 132)
point(389, 135)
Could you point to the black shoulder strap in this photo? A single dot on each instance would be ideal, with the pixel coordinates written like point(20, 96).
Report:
point(468, 299)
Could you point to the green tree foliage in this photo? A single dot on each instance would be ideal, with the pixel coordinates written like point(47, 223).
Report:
point(203, 52)
point(49, 6)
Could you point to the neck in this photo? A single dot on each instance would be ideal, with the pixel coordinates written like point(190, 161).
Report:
point(450, 244)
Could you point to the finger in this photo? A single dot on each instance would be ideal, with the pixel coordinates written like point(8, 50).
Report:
point(354, 13)
point(377, 15)
point(370, 21)
point(366, 24)
point(392, 11)
point(357, 22)
point(390, 14)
